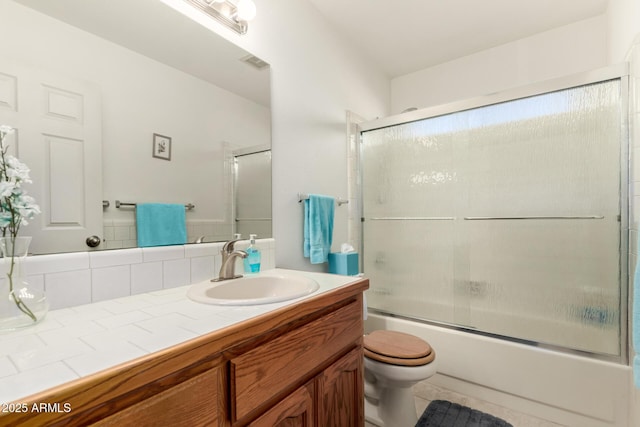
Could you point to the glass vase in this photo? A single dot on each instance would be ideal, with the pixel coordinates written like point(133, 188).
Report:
point(21, 303)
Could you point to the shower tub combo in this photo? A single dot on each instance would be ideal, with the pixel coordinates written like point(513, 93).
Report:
point(497, 229)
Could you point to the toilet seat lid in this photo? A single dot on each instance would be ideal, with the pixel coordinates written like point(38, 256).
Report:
point(397, 348)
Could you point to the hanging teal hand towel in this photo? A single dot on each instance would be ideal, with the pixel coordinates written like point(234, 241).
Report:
point(318, 227)
point(159, 224)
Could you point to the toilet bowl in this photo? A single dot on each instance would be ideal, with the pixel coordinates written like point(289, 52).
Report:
point(393, 363)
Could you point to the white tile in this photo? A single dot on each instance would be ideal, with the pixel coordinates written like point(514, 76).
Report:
point(108, 233)
point(76, 329)
point(43, 264)
point(121, 232)
point(158, 324)
point(53, 352)
point(203, 268)
point(106, 340)
point(176, 273)
point(111, 282)
point(119, 320)
point(86, 313)
point(169, 337)
point(11, 344)
point(7, 367)
point(203, 249)
point(162, 253)
point(186, 308)
point(30, 382)
point(114, 258)
point(46, 324)
point(126, 304)
point(68, 289)
point(146, 277)
point(164, 296)
point(98, 360)
point(206, 325)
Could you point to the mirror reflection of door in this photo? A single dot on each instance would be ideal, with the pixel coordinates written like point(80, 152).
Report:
point(59, 137)
point(252, 193)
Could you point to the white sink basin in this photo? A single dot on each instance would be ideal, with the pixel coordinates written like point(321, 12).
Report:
point(253, 290)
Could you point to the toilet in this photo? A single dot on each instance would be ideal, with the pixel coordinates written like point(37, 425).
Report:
point(393, 363)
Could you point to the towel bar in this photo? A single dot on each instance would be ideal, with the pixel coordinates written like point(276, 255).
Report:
point(119, 204)
point(412, 218)
point(481, 218)
point(302, 196)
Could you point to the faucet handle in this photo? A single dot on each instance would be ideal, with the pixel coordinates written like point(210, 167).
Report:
point(228, 247)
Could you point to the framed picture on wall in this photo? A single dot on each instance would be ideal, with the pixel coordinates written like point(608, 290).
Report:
point(161, 147)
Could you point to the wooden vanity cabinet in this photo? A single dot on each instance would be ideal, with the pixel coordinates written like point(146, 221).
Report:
point(300, 365)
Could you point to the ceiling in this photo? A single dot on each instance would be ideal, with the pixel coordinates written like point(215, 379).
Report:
point(403, 36)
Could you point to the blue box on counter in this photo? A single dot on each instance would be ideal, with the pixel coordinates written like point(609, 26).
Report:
point(343, 263)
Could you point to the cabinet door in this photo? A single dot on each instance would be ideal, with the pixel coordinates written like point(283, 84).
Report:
point(195, 402)
point(341, 392)
point(296, 410)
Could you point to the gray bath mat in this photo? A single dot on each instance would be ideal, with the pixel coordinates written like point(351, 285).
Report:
point(442, 413)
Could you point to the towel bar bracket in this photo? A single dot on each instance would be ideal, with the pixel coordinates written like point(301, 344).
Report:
point(339, 201)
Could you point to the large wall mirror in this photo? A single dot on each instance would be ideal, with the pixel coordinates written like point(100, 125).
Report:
point(131, 101)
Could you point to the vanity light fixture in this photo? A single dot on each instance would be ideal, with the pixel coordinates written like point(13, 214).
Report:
point(235, 14)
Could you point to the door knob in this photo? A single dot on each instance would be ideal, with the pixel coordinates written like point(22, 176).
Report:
point(93, 241)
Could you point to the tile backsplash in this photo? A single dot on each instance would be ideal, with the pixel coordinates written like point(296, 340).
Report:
point(77, 278)
point(121, 233)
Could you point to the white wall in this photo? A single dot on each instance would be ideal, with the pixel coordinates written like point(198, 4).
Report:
point(315, 77)
point(623, 26)
point(573, 48)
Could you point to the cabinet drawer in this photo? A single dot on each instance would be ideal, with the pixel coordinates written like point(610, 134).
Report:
point(277, 366)
point(195, 402)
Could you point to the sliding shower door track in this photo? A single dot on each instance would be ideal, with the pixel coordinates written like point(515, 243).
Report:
point(620, 359)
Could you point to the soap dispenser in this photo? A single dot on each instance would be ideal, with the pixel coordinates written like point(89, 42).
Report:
point(252, 261)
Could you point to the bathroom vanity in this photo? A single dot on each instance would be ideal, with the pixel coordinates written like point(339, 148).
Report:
point(298, 364)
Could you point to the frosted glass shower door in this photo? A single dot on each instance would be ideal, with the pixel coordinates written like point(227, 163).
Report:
point(504, 219)
point(409, 183)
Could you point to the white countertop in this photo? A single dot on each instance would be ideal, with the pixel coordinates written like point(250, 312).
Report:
point(74, 342)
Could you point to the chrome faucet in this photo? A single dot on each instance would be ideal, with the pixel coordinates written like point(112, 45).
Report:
point(229, 255)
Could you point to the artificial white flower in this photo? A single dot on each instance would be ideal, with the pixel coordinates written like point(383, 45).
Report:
point(4, 129)
point(16, 207)
point(17, 169)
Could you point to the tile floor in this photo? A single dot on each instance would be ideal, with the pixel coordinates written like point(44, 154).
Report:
point(425, 392)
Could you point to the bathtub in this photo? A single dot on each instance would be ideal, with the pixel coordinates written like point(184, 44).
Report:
point(564, 388)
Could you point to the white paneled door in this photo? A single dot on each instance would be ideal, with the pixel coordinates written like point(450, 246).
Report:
point(58, 135)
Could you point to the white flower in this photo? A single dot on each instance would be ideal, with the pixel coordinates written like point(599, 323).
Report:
point(6, 188)
point(16, 207)
point(6, 129)
point(17, 169)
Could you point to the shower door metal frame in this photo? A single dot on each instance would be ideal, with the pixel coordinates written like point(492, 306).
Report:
point(614, 72)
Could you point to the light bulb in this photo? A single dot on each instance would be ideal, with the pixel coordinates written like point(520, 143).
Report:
point(246, 10)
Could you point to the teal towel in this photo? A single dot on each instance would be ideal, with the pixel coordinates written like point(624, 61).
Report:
point(318, 227)
point(635, 323)
point(160, 224)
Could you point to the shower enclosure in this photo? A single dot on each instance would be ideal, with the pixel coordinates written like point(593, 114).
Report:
point(505, 215)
